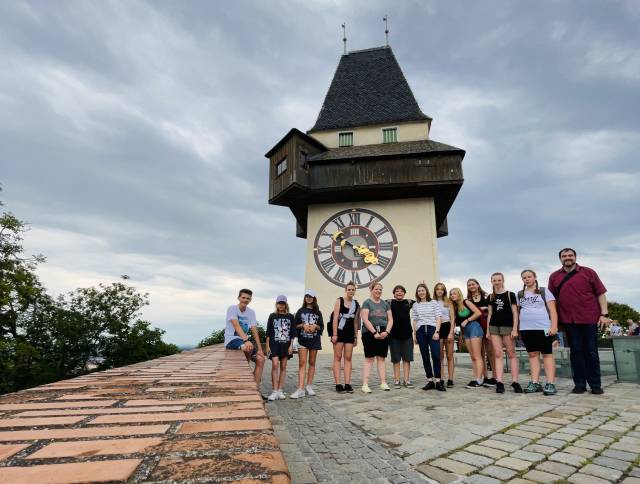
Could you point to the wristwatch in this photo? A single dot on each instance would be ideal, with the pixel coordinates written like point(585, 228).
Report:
point(606, 315)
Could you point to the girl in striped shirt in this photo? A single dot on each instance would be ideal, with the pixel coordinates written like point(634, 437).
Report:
point(425, 315)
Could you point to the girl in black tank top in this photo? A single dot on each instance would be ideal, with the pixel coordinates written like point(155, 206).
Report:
point(480, 298)
point(343, 329)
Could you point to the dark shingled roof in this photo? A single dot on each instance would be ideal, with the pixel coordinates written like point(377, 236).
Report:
point(406, 148)
point(368, 88)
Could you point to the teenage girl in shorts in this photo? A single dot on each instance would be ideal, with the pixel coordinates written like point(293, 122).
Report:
point(343, 330)
point(447, 329)
point(467, 315)
point(309, 326)
point(479, 297)
point(503, 331)
point(280, 330)
point(377, 322)
point(538, 328)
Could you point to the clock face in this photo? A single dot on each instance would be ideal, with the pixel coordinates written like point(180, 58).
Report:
point(355, 245)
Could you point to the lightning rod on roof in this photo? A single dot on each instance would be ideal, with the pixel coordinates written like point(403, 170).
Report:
point(386, 30)
point(344, 36)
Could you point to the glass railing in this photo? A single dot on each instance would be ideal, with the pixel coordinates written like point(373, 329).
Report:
point(626, 350)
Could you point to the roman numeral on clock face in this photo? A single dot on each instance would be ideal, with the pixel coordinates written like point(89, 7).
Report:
point(383, 230)
point(324, 250)
point(371, 275)
point(338, 221)
point(386, 246)
point(328, 264)
point(383, 261)
point(355, 278)
point(354, 218)
point(340, 275)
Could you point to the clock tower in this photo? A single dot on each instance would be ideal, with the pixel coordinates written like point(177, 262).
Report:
point(369, 190)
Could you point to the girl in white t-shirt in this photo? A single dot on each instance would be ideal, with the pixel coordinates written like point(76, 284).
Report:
point(538, 327)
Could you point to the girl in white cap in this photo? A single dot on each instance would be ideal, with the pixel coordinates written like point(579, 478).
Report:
point(280, 330)
point(309, 327)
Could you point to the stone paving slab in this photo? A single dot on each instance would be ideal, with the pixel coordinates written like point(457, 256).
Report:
point(461, 435)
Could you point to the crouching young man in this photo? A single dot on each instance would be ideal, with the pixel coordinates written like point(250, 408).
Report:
point(240, 320)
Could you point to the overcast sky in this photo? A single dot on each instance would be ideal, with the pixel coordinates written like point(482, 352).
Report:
point(132, 137)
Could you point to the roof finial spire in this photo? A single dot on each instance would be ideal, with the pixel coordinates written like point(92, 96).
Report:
point(386, 31)
point(344, 37)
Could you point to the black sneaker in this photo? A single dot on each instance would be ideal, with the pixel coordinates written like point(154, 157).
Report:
point(597, 391)
point(429, 386)
point(450, 383)
point(516, 387)
point(266, 399)
point(499, 387)
point(440, 386)
point(340, 388)
point(348, 388)
point(579, 390)
point(489, 382)
point(473, 384)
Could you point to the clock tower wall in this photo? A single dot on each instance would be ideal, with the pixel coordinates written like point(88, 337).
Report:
point(413, 222)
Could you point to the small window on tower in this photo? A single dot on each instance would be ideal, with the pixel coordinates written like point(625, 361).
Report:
point(281, 167)
point(390, 135)
point(345, 139)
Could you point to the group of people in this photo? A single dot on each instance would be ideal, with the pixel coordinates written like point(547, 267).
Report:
point(632, 329)
point(489, 323)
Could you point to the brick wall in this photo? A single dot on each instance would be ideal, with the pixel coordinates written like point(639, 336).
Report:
point(193, 416)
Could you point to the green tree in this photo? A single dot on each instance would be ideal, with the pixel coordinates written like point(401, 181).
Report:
point(622, 312)
point(43, 339)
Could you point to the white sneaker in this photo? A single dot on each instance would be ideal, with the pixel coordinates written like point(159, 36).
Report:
point(297, 394)
point(282, 395)
point(274, 396)
point(310, 391)
point(366, 389)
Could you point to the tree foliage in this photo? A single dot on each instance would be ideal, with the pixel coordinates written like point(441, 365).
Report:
point(622, 312)
point(44, 339)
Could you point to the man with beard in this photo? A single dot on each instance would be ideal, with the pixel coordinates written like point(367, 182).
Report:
point(582, 308)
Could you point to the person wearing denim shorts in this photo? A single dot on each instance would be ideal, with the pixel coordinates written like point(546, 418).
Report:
point(467, 315)
point(240, 320)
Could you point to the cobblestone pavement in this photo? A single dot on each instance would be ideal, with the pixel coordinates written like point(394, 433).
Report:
point(462, 435)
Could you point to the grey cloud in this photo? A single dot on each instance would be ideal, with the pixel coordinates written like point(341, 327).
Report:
point(144, 125)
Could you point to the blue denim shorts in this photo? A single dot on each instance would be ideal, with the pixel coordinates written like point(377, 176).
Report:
point(473, 330)
point(236, 343)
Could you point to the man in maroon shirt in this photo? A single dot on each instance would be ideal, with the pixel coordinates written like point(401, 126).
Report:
point(582, 307)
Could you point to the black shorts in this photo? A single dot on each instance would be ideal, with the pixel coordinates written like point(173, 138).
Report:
point(374, 347)
point(535, 340)
point(345, 335)
point(401, 349)
point(279, 350)
point(444, 330)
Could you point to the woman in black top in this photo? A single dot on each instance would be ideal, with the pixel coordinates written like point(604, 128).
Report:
point(343, 330)
point(479, 297)
point(309, 326)
point(503, 330)
point(401, 342)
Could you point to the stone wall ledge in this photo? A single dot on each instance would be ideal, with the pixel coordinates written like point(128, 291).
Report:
point(194, 416)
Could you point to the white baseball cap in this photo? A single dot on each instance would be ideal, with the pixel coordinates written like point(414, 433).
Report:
point(310, 292)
